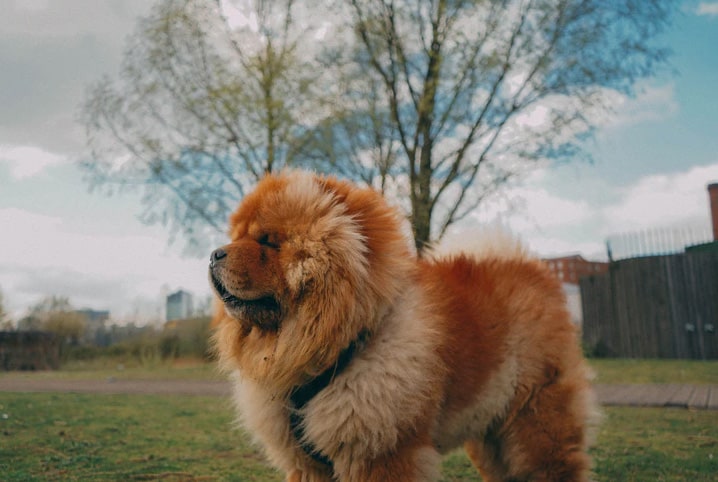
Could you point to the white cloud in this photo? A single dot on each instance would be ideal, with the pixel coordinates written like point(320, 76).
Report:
point(49, 52)
point(71, 18)
point(534, 117)
point(531, 205)
point(707, 8)
point(548, 223)
point(548, 210)
point(41, 256)
point(28, 161)
point(236, 16)
point(552, 224)
point(610, 110)
point(32, 5)
point(554, 246)
point(663, 200)
point(651, 103)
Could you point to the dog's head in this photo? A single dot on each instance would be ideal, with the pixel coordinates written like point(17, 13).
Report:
point(291, 237)
point(311, 262)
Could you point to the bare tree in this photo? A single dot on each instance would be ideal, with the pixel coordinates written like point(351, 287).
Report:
point(474, 92)
point(5, 320)
point(55, 314)
point(438, 102)
point(201, 110)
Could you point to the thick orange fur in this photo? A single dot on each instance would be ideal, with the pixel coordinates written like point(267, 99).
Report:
point(470, 348)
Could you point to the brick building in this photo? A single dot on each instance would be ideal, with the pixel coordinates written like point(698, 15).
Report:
point(569, 269)
point(713, 197)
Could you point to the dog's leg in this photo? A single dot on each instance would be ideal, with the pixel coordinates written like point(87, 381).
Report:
point(304, 476)
point(487, 460)
point(546, 440)
point(410, 463)
point(294, 476)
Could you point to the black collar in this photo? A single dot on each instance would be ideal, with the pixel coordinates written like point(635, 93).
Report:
point(303, 394)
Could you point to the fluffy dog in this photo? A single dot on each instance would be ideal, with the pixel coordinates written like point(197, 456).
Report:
point(356, 360)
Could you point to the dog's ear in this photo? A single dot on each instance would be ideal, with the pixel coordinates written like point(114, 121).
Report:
point(339, 189)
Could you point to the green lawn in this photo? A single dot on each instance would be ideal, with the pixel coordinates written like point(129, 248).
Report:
point(655, 371)
point(139, 437)
point(123, 437)
point(150, 437)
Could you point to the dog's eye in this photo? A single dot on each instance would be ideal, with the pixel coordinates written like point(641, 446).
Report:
point(266, 240)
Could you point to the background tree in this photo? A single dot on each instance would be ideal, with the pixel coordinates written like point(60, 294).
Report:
point(56, 315)
point(208, 99)
point(5, 320)
point(438, 102)
point(475, 92)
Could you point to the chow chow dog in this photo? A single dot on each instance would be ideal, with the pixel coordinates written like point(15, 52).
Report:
point(356, 360)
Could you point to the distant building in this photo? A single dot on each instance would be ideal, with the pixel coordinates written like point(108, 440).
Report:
point(713, 199)
point(710, 246)
point(569, 269)
point(94, 318)
point(95, 323)
point(179, 305)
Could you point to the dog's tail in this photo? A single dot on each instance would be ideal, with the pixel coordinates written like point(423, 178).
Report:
point(492, 241)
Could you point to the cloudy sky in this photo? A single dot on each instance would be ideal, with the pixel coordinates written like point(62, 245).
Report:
point(653, 160)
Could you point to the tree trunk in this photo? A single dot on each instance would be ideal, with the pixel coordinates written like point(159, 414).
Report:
point(421, 210)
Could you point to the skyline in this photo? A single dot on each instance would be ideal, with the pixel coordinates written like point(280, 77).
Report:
point(653, 158)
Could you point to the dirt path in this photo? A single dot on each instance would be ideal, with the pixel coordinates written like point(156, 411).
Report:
point(696, 397)
point(700, 397)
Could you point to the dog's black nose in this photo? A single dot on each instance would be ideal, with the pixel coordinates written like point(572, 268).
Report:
point(216, 255)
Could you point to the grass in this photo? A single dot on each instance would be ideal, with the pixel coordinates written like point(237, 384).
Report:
point(657, 444)
point(123, 437)
point(655, 371)
point(150, 437)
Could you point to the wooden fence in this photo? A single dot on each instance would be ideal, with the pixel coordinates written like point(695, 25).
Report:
point(653, 307)
point(657, 241)
point(29, 350)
